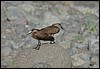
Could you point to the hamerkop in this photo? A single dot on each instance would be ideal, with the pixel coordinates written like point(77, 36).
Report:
point(40, 35)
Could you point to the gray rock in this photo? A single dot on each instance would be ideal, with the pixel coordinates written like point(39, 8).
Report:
point(49, 19)
point(61, 11)
point(65, 44)
point(97, 30)
point(23, 35)
point(73, 10)
point(91, 18)
point(94, 46)
point(73, 24)
point(95, 60)
point(3, 40)
point(6, 51)
point(4, 6)
point(3, 15)
point(19, 29)
point(80, 59)
point(60, 37)
point(74, 51)
point(19, 21)
point(3, 64)
point(53, 55)
point(28, 8)
point(76, 48)
point(32, 25)
point(96, 66)
point(77, 45)
point(41, 65)
point(5, 25)
point(15, 3)
point(14, 12)
point(90, 4)
point(81, 29)
point(28, 42)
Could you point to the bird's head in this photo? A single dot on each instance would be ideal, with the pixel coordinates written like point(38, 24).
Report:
point(58, 25)
point(33, 30)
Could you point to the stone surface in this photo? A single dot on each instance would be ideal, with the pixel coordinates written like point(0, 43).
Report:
point(80, 59)
point(54, 55)
point(6, 51)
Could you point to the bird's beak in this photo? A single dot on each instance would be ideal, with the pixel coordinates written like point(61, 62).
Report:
point(29, 32)
point(61, 27)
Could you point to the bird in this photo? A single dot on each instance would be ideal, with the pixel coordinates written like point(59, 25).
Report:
point(53, 29)
point(40, 35)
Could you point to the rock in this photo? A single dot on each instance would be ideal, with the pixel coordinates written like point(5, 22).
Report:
point(73, 10)
point(60, 37)
point(52, 55)
point(68, 27)
point(76, 45)
point(14, 13)
point(49, 19)
point(41, 65)
point(90, 18)
point(70, 36)
point(15, 3)
point(19, 29)
point(3, 64)
point(94, 60)
point(76, 48)
point(61, 10)
point(28, 42)
point(3, 16)
point(28, 8)
point(6, 51)
point(39, 14)
point(80, 60)
point(65, 44)
point(96, 66)
point(74, 51)
point(32, 25)
point(81, 29)
point(87, 38)
point(94, 46)
point(93, 41)
point(8, 31)
point(97, 30)
point(3, 40)
point(91, 4)
point(5, 25)
point(19, 21)
point(72, 24)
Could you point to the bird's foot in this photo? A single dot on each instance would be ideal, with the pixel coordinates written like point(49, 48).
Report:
point(37, 47)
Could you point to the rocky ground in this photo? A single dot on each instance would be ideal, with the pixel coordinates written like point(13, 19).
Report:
point(76, 47)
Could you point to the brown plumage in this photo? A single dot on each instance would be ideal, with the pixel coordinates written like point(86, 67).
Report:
point(40, 35)
point(51, 30)
point(45, 33)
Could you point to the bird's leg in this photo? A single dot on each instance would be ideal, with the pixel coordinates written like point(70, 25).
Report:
point(52, 42)
point(39, 43)
point(38, 46)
